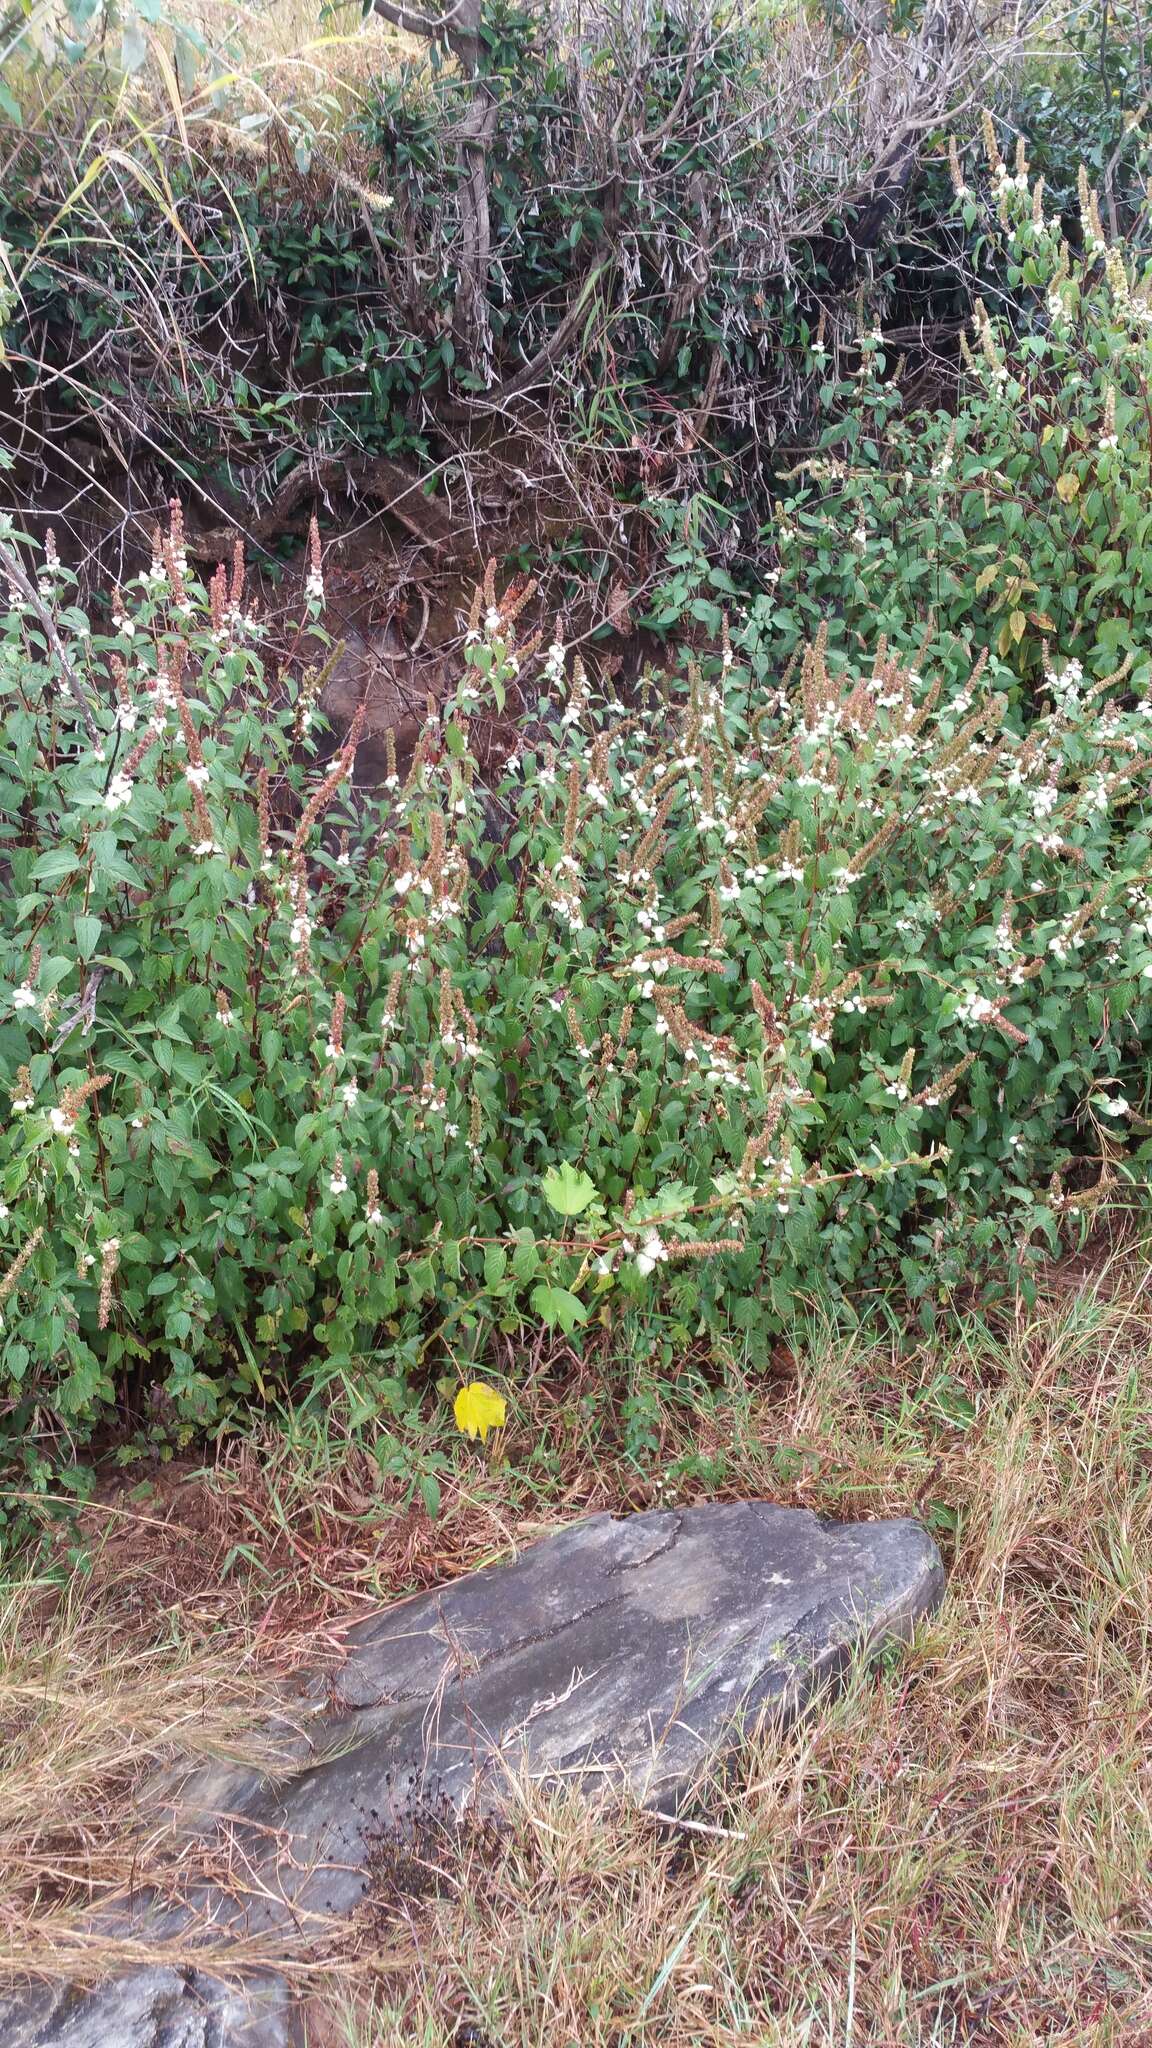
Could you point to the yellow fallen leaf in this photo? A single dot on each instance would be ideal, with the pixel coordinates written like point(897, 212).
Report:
point(478, 1409)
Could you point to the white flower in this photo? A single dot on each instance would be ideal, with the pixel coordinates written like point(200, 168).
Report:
point(206, 846)
point(314, 587)
point(61, 1122)
point(23, 998)
point(1116, 1105)
point(974, 1008)
point(338, 1184)
point(300, 930)
point(404, 882)
point(197, 774)
point(21, 1103)
point(224, 1015)
point(374, 1218)
point(4, 1212)
point(350, 1092)
point(650, 1254)
point(118, 792)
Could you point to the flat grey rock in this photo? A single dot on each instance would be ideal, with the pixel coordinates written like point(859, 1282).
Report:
point(153, 2007)
point(617, 1654)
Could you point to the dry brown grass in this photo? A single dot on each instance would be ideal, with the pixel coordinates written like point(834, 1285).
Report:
point(955, 1851)
point(273, 58)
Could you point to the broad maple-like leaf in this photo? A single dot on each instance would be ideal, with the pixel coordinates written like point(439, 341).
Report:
point(478, 1409)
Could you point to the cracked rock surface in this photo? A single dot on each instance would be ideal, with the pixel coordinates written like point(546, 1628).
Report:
point(625, 1652)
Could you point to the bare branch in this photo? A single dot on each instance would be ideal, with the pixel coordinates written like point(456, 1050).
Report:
point(409, 19)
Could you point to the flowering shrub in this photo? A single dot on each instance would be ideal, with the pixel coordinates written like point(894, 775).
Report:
point(696, 1003)
point(1014, 516)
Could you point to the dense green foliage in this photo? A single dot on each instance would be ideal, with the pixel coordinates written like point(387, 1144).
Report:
point(843, 972)
point(1019, 516)
point(1089, 104)
point(823, 959)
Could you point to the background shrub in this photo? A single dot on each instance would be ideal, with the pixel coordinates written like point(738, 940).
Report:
point(1013, 516)
point(609, 290)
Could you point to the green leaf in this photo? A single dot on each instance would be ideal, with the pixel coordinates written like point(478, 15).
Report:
point(87, 935)
point(55, 864)
point(133, 47)
point(558, 1307)
point(525, 1262)
point(566, 1190)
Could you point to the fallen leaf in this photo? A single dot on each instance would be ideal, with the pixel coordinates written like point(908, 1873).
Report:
point(478, 1409)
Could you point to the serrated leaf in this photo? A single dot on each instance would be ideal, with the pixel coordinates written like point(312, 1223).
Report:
point(525, 1263)
point(558, 1307)
point(478, 1408)
point(567, 1190)
point(55, 864)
